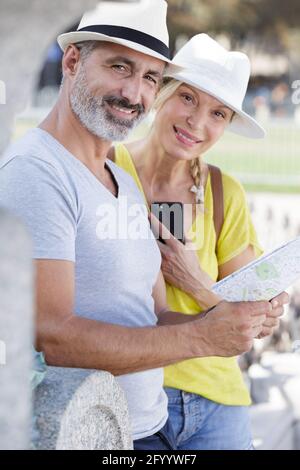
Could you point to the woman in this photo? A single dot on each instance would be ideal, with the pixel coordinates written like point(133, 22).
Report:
point(208, 401)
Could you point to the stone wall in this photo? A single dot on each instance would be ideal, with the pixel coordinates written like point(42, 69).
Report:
point(27, 28)
point(16, 333)
point(79, 409)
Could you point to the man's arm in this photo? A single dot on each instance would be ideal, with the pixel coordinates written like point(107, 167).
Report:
point(167, 317)
point(181, 268)
point(71, 341)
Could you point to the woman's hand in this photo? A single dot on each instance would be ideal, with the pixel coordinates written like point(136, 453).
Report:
point(181, 267)
point(273, 318)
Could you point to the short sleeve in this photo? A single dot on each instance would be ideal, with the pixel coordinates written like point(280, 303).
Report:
point(33, 190)
point(238, 231)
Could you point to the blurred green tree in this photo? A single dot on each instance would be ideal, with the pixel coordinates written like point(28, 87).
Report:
point(269, 22)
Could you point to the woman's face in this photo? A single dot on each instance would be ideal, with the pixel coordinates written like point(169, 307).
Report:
point(190, 122)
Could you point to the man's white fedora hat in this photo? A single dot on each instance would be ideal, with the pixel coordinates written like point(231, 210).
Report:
point(222, 74)
point(140, 26)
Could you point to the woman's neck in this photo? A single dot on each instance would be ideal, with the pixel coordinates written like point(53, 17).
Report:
point(157, 167)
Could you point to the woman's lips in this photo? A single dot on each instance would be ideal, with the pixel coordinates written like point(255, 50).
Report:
point(185, 137)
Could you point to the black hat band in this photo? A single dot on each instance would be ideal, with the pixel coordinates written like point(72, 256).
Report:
point(131, 35)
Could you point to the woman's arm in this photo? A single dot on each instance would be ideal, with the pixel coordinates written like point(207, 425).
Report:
point(237, 262)
point(164, 315)
point(181, 268)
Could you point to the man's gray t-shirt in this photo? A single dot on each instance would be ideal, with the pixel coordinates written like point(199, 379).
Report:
point(70, 215)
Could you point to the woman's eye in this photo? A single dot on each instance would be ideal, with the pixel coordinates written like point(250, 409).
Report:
point(187, 98)
point(219, 114)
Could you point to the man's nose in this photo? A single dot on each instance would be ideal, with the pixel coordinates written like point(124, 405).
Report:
point(132, 89)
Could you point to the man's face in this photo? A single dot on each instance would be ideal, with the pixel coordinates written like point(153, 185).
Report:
point(113, 89)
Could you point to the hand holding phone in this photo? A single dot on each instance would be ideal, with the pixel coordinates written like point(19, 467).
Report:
point(171, 215)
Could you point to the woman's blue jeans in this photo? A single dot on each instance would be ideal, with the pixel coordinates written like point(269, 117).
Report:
point(199, 423)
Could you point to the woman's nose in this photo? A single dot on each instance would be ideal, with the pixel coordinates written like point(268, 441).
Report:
point(197, 120)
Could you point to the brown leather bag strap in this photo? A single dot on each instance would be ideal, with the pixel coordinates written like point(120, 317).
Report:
point(218, 198)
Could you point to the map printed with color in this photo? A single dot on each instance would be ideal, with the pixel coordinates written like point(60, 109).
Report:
point(265, 277)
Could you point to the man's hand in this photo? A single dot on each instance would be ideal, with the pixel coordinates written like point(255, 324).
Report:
point(273, 319)
point(231, 327)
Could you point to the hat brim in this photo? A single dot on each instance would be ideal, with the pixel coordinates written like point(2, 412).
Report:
point(242, 123)
point(78, 36)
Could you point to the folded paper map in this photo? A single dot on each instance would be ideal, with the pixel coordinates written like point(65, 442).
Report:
point(265, 277)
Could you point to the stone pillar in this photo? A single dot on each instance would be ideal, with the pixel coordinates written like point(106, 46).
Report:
point(78, 409)
point(27, 29)
point(16, 334)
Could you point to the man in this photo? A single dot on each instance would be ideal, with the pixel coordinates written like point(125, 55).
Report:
point(98, 300)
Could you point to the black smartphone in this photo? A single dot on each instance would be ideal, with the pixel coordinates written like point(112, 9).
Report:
point(171, 215)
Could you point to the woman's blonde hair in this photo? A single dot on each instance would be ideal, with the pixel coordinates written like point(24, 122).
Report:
point(196, 165)
point(165, 93)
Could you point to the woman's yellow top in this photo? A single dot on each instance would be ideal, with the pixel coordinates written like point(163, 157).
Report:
point(215, 378)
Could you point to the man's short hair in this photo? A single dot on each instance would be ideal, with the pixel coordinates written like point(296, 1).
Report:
point(86, 48)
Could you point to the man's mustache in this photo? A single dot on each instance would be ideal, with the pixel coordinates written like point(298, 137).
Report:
point(124, 103)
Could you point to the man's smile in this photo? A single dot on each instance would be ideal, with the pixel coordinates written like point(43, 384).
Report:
point(120, 111)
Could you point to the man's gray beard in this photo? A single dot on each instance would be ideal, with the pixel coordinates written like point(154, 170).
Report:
point(94, 117)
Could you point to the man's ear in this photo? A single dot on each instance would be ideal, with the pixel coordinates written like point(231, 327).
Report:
point(70, 61)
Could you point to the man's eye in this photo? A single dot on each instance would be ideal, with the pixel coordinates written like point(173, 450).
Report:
point(151, 79)
point(119, 67)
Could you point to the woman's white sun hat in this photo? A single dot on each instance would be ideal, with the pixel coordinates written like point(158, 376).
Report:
point(222, 74)
point(140, 26)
